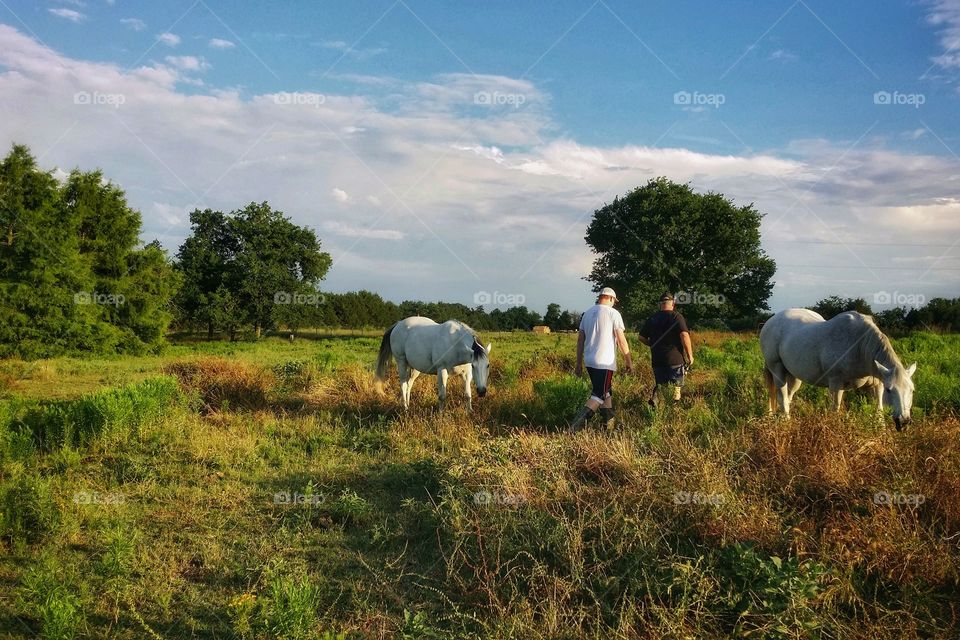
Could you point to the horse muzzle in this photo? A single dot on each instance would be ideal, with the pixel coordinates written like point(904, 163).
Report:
point(901, 422)
point(482, 392)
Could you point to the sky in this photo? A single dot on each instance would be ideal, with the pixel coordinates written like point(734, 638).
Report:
point(456, 151)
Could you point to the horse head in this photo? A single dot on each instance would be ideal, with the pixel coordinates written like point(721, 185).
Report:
point(481, 366)
point(897, 390)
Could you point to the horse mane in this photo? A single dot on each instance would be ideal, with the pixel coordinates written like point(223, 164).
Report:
point(877, 346)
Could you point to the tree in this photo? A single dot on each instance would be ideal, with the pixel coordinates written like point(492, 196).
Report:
point(665, 237)
point(552, 317)
point(72, 275)
point(834, 305)
point(239, 269)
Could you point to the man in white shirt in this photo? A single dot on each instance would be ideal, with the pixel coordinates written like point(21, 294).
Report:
point(601, 334)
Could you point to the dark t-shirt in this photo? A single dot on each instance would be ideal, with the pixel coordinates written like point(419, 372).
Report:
point(663, 330)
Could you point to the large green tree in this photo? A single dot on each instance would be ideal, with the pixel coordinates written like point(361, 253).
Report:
point(252, 267)
point(73, 276)
point(664, 236)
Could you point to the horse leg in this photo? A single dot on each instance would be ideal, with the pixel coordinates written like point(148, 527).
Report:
point(793, 385)
point(467, 383)
point(442, 386)
point(779, 374)
point(771, 391)
point(414, 374)
point(836, 392)
point(404, 374)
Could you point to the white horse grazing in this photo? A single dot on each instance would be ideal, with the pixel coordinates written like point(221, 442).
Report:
point(846, 352)
point(420, 345)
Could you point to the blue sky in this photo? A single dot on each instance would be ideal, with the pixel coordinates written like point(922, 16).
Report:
point(362, 119)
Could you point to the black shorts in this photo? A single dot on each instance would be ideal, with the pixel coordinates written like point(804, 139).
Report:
point(669, 374)
point(602, 382)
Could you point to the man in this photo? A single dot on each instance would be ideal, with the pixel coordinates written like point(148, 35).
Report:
point(601, 334)
point(668, 337)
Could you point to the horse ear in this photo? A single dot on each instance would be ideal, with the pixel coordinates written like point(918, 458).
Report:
point(490, 346)
point(911, 369)
point(882, 369)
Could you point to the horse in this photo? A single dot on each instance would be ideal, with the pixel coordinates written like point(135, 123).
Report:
point(420, 345)
point(846, 352)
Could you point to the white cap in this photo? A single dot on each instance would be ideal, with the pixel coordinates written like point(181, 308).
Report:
point(607, 291)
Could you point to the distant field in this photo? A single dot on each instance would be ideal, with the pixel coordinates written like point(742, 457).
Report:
point(265, 490)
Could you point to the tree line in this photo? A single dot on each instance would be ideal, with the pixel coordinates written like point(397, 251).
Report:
point(75, 277)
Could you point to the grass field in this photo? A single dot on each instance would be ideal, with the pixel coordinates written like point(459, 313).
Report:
point(265, 490)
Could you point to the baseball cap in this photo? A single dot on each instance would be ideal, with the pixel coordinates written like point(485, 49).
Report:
point(666, 297)
point(607, 291)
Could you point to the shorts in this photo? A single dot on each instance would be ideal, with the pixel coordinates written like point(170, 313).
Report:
point(602, 382)
point(669, 374)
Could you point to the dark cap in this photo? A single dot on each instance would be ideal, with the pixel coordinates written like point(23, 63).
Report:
point(667, 297)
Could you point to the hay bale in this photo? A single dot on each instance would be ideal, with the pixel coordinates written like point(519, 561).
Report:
point(541, 328)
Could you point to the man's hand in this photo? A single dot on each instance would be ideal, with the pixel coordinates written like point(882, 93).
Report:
point(578, 370)
point(630, 367)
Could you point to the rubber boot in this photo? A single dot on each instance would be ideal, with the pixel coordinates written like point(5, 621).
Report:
point(608, 417)
point(581, 420)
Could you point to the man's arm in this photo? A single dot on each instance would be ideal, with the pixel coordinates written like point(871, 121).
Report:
point(624, 347)
point(581, 337)
point(644, 339)
point(687, 346)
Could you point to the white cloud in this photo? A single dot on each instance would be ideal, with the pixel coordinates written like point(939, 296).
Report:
point(169, 39)
point(68, 14)
point(477, 197)
point(340, 195)
point(134, 23)
point(350, 231)
point(346, 49)
point(219, 43)
point(944, 15)
point(188, 63)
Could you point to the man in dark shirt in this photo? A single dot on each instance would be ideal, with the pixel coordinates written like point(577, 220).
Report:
point(668, 337)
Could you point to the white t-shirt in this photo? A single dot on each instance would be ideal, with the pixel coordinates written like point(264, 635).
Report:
point(598, 324)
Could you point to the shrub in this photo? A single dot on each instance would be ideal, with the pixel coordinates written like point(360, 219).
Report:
point(290, 607)
point(118, 412)
point(220, 384)
point(28, 511)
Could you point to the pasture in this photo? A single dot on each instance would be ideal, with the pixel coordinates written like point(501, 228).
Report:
point(265, 490)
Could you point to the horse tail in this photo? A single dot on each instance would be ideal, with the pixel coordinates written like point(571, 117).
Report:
point(383, 360)
point(771, 389)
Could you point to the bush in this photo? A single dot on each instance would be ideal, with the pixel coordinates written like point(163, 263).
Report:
point(220, 384)
point(28, 511)
point(560, 397)
point(73, 423)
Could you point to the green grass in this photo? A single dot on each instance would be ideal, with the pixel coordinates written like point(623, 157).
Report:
point(269, 492)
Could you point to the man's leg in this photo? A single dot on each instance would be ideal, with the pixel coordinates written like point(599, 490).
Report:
point(596, 399)
point(606, 410)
